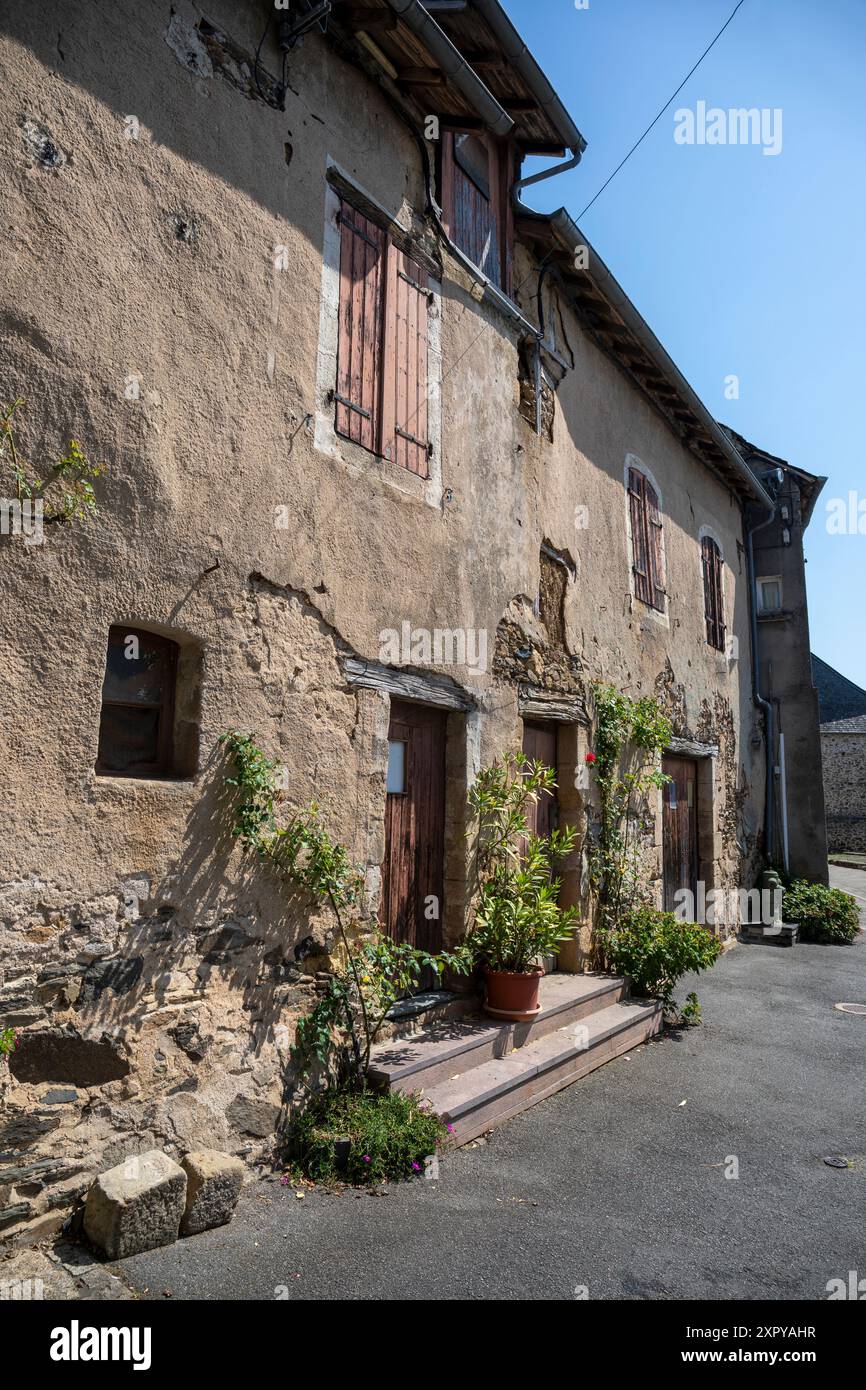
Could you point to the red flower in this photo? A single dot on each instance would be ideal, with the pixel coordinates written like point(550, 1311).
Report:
point(590, 758)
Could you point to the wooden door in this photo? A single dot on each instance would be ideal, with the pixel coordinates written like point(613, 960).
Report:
point(412, 872)
point(679, 827)
point(539, 744)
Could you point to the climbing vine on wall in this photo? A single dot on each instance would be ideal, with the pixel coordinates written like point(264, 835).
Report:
point(630, 736)
point(374, 971)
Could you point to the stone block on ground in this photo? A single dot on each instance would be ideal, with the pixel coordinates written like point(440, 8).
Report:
point(213, 1184)
point(136, 1206)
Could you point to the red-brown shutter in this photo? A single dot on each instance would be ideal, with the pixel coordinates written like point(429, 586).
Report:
point(713, 593)
point(654, 530)
point(405, 437)
point(471, 212)
point(646, 536)
point(640, 548)
point(359, 346)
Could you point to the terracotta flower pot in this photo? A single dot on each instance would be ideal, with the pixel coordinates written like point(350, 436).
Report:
point(513, 994)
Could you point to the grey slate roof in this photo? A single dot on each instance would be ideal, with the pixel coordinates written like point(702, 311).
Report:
point(841, 703)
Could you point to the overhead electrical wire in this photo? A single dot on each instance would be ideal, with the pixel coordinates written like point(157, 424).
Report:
point(661, 113)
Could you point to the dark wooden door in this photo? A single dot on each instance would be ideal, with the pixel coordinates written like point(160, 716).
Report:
point(412, 873)
point(679, 827)
point(539, 744)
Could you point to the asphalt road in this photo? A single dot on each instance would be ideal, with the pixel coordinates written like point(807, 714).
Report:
point(614, 1185)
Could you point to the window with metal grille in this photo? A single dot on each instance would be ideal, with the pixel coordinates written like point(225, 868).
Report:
point(714, 592)
point(646, 539)
point(137, 719)
point(382, 346)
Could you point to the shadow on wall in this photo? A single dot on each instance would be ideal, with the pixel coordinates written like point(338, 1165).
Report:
point(153, 65)
point(217, 924)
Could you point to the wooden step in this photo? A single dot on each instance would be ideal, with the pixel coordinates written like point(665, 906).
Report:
point(443, 1049)
point(475, 1100)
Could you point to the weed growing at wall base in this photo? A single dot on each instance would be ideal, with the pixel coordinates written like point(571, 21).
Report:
point(364, 1137)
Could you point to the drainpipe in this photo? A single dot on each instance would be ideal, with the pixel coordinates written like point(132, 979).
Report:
point(765, 705)
point(454, 65)
point(547, 173)
point(490, 291)
point(783, 791)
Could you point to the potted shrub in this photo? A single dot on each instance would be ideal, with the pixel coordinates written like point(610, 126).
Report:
point(517, 918)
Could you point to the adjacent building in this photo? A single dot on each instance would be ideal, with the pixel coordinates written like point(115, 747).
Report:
point(842, 707)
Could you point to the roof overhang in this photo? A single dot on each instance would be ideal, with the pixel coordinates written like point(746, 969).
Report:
point(463, 61)
point(810, 485)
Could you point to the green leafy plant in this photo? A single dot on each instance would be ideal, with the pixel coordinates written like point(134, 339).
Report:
point(655, 949)
point(823, 914)
point(517, 917)
point(373, 971)
point(10, 1038)
point(690, 1015)
point(630, 736)
point(362, 1136)
point(68, 491)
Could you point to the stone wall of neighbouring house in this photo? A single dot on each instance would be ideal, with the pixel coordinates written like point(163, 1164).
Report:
point(844, 759)
point(156, 973)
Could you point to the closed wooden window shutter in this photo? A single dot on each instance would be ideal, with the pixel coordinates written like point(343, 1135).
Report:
point(359, 347)
point(405, 437)
point(646, 535)
point(472, 198)
point(714, 610)
point(640, 550)
point(654, 527)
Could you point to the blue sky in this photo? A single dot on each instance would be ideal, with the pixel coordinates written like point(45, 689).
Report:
point(742, 263)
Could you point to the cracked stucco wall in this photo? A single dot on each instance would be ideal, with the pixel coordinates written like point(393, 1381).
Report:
point(143, 314)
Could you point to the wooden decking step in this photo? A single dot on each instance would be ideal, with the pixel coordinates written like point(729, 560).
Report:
point(457, 1045)
point(475, 1100)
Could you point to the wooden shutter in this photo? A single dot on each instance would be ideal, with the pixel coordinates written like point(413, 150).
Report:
point(359, 349)
point(405, 438)
point(646, 536)
point(654, 529)
point(471, 201)
point(714, 609)
point(640, 547)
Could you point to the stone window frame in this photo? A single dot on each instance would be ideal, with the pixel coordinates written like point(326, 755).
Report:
point(179, 745)
point(656, 615)
point(344, 452)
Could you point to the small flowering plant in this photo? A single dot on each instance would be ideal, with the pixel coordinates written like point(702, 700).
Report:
point(9, 1040)
point(360, 1137)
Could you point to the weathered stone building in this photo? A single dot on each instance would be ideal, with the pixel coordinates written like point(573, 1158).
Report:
point(796, 837)
point(842, 706)
point(393, 472)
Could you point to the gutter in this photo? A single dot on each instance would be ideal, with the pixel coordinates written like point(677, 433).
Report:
point(520, 58)
point(570, 233)
point(454, 65)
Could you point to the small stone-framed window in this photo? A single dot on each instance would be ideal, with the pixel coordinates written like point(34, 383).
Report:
point(769, 594)
point(136, 727)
